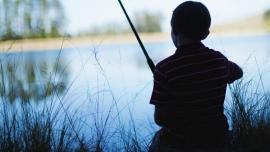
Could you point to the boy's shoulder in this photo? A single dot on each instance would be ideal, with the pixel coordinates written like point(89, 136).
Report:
point(162, 64)
point(169, 61)
point(216, 53)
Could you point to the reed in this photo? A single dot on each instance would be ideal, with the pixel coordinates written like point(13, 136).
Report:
point(250, 117)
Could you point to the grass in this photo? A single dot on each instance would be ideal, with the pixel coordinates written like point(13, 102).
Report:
point(35, 131)
point(250, 117)
point(54, 126)
point(25, 126)
point(34, 115)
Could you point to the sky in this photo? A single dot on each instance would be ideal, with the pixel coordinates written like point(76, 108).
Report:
point(84, 14)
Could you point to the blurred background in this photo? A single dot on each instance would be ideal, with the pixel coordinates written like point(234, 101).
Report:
point(20, 19)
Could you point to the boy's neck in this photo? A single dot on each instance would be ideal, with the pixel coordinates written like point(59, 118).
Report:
point(186, 41)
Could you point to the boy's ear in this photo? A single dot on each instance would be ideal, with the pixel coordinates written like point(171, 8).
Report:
point(205, 34)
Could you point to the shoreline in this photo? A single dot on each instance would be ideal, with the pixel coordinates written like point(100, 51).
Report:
point(47, 44)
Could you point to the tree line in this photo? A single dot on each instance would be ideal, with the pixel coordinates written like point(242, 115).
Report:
point(31, 19)
point(144, 22)
point(20, 19)
point(267, 18)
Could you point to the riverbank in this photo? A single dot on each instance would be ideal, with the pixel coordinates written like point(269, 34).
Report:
point(73, 42)
point(89, 41)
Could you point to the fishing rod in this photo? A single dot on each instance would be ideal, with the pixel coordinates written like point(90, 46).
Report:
point(149, 60)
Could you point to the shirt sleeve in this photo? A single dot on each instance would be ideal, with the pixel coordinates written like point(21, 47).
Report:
point(160, 90)
point(234, 71)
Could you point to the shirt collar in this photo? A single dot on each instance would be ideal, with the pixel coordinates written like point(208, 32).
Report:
point(189, 48)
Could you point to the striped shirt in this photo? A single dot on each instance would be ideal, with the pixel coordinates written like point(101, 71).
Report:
point(191, 84)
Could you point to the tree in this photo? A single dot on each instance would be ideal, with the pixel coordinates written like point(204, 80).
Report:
point(57, 19)
point(7, 18)
point(31, 18)
point(148, 22)
point(267, 18)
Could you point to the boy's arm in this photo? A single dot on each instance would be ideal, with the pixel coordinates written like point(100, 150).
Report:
point(234, 72)
point(161, 116)
point(159, 97)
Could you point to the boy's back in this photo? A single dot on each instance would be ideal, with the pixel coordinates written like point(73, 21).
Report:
point(190, 86)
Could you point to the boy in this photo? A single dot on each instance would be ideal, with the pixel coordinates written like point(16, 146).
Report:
point(190, 86)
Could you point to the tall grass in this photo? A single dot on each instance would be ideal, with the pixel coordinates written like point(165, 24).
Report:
point(26, 126)
point(250, 117)
point(52, 124)
point(29, 130)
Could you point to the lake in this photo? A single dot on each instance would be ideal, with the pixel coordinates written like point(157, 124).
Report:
point(115, 79)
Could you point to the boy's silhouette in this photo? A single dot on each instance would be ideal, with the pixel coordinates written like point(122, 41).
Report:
point(190, 86)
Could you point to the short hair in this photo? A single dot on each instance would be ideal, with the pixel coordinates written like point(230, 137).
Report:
point(192, 19)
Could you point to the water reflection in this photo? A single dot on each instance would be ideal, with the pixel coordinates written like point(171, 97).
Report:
point(29, 79)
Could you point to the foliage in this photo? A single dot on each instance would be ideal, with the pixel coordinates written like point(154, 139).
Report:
point(31, 18)
point(267, 18)
point(144, 22)
point(111, 28)
point(148, 22)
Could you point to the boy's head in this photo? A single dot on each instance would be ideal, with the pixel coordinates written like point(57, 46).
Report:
point(191, 20)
